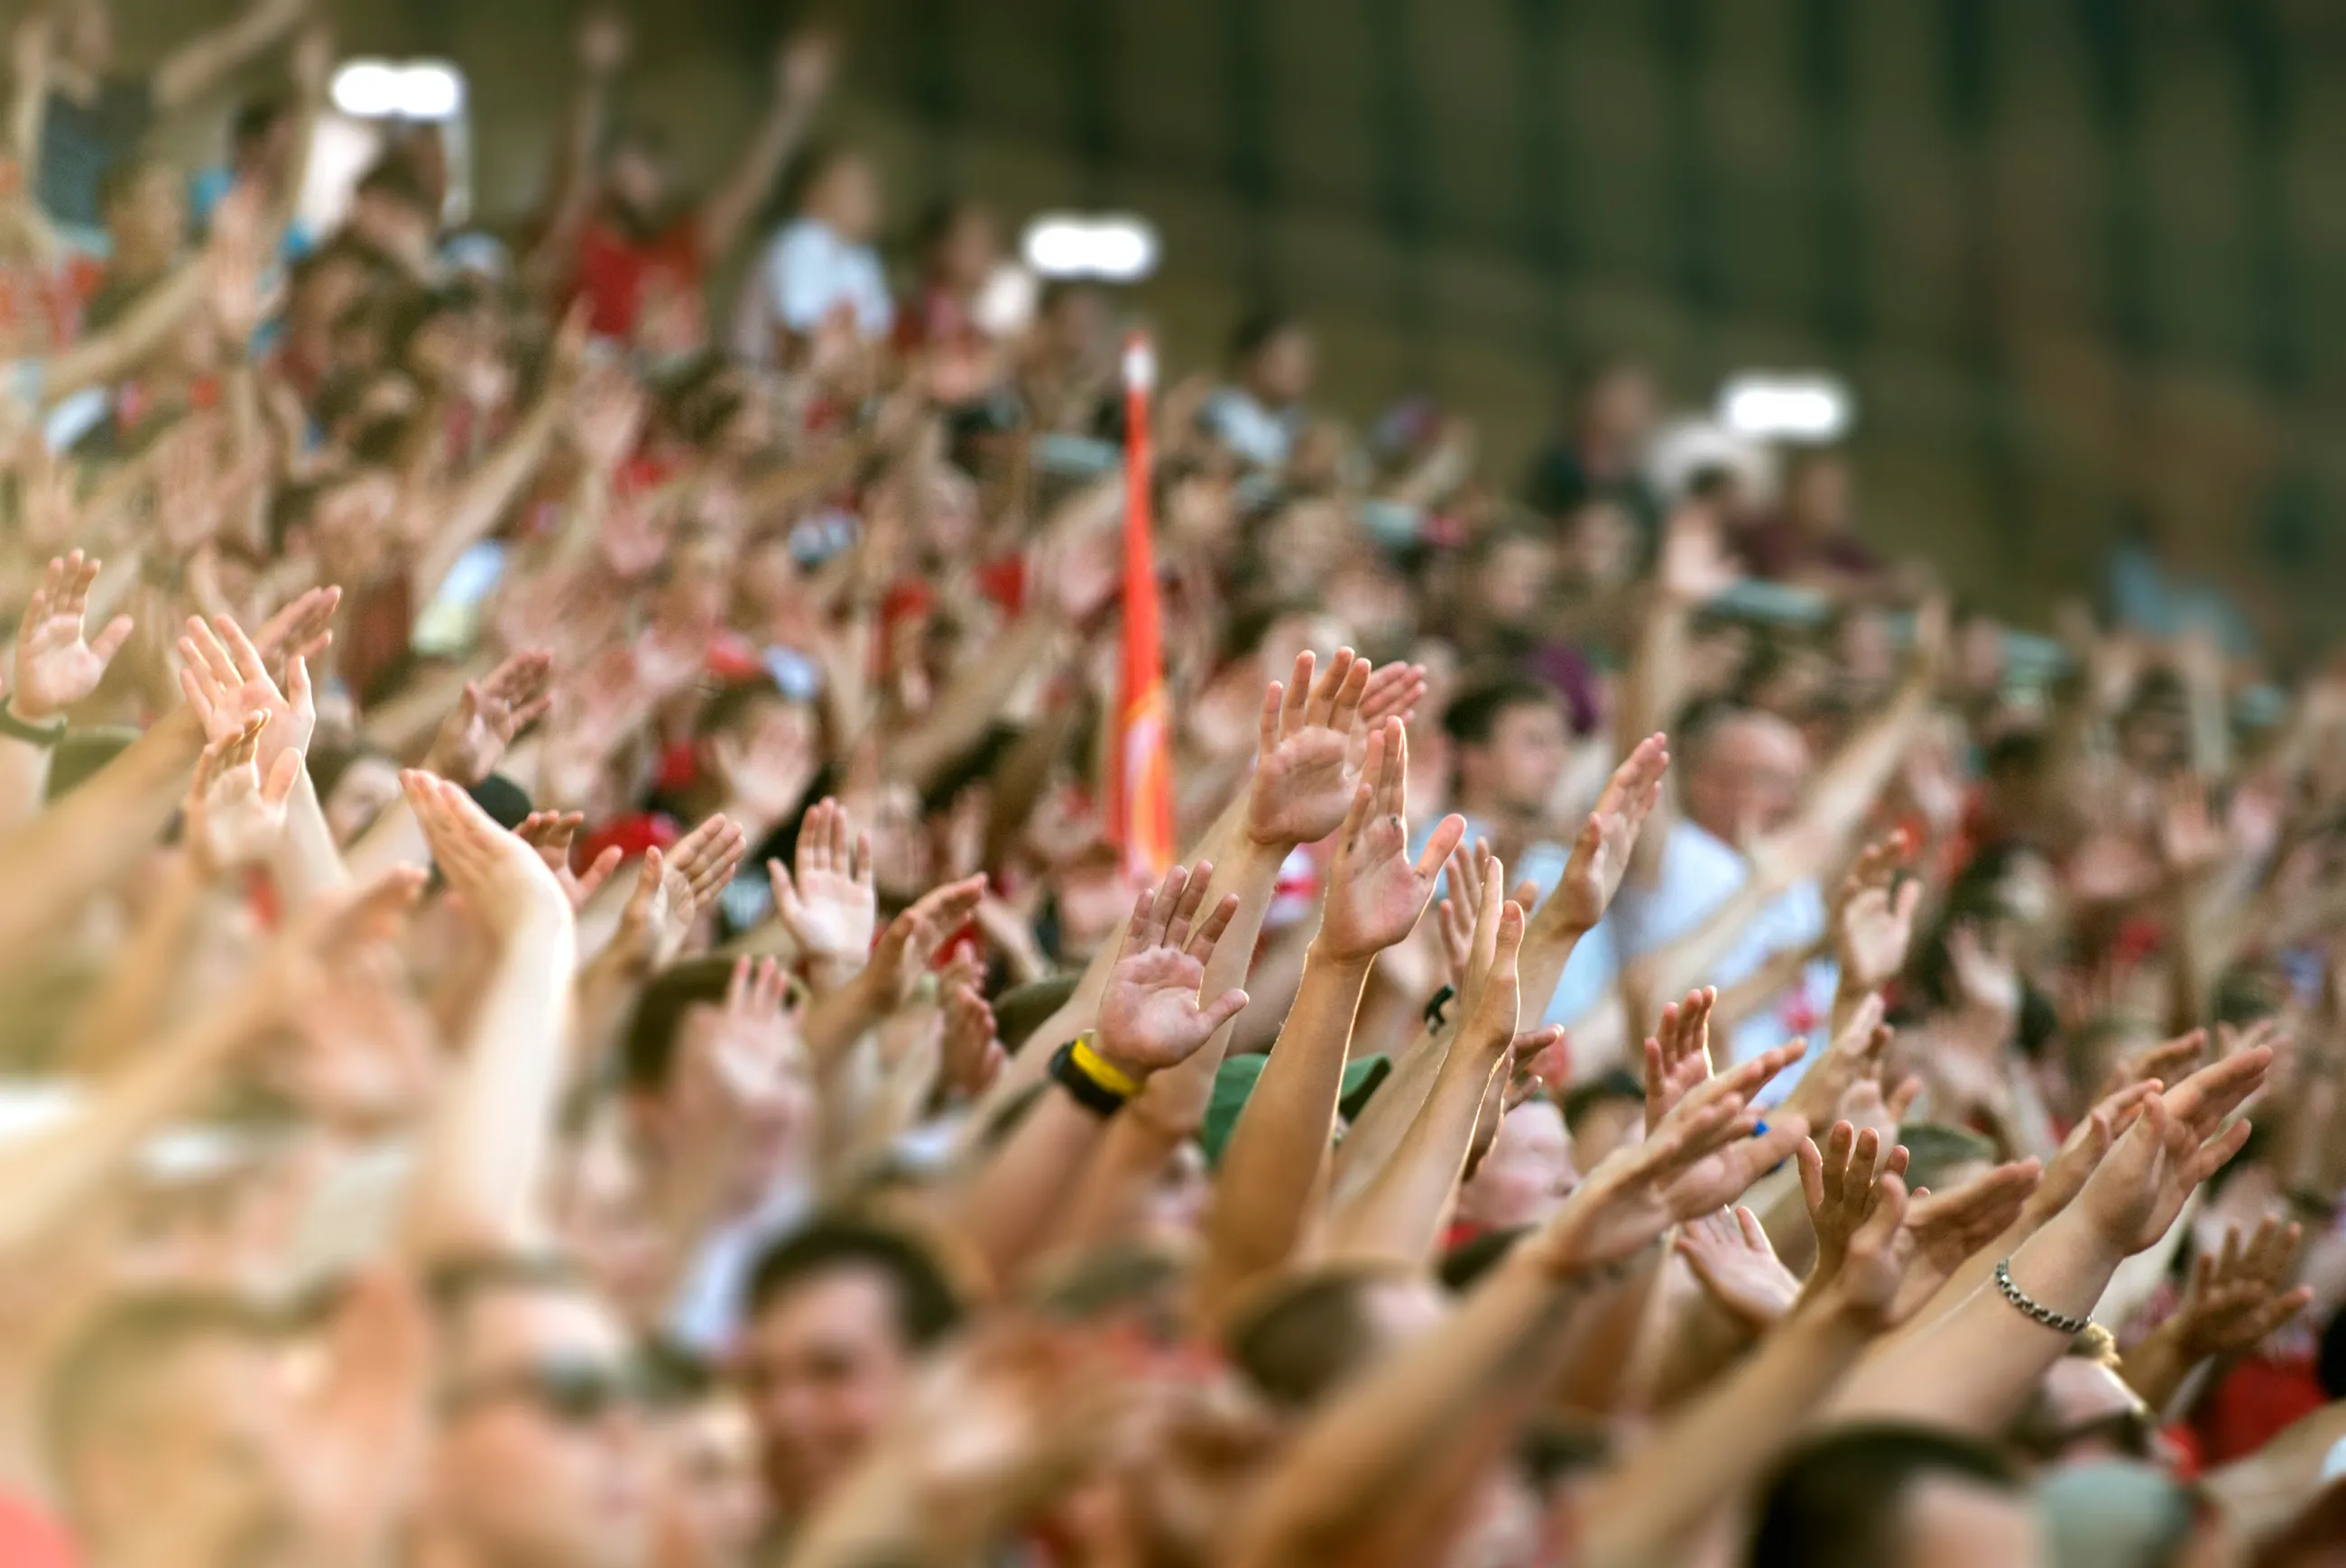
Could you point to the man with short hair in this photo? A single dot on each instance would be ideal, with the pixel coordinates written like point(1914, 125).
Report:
point(1741, 777)
point(543, 1459)
point(167, 1425)
point(839, 1315)
point(1891, 1496)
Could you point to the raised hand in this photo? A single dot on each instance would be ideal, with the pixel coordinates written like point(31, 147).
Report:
point(1840, 1184)
point(914, 937)
point(1601, 855)
point(1678, 1054)
point(225, 683)
point(971, 1056)
point(2083, 1151)
point(696, 870)
point(831, 908)
point(749, 1065)
point(642, 942)
point(1375, 894)
point(2237, 1298)
point(2166, 1062)
point(1873, 916)
point(1942, 1228)
point(1633, 1196)
point(1492, 1001)
point(57, 664)
point(1305, 767)
point(1729, 1254)
point(304, 627)
point(1457, 911)
point(551, 834)
point(503, 881)
point(1150, 1017)
point(2149, 1173)
point(233, 816)
point(1723, 1177)
point(1695, 567)
point(1868, 1289)
point(1856, 1055)
point(476, 737)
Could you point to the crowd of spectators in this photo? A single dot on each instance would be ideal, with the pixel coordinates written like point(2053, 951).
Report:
point(569, 997)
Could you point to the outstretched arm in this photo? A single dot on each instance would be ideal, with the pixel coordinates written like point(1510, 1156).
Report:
point(197, 65)
point(484, 1154)
point(803, 70)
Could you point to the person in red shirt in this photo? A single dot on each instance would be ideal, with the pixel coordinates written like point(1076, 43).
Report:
point(619, 237)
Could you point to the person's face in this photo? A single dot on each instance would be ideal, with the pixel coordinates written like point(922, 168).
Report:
point(1950, 1523)
point(1605, 1126)
point(1748, 778)
point(637, 180)
point(1304, 544)
point(1819, 501)
point(544, 1459)
point(148, 220)
point(1176, 1200)
point(2154, 737)
point(700, 588)
point(86, 37)
point(772, 1114)
point(1621, 405)
point(1599, 545)
point(1282, 367)
point(1076, 326)
point(824, 1368)
point(1517, 770)
point(324, 293)
point(1978, 656)
point(1868, 661)
point(847, 198)
point(1528, 1172)
point(1513, 584)
point(710, 1503)
point(352, 526)
point(968, 250)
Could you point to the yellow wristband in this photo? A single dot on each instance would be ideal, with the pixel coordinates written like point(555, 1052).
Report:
point(1100, 1070)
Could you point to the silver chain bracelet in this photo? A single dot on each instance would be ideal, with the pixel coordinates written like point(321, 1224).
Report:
point(2035, 1308)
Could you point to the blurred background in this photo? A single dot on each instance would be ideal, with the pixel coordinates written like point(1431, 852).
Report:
point(2067, 255)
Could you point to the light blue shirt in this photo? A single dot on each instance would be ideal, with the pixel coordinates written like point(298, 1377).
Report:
point(1699, 872)
point(1594, 970)
point(806, 271)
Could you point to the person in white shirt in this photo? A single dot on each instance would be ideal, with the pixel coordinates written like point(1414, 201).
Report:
point(1741, 776)
point(820, 262)
point(1259, 414)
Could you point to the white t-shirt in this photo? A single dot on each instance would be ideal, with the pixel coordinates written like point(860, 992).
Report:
point(1699, 872)
point(806, 270)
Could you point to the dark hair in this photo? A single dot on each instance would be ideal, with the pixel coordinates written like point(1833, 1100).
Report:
point(1934, 1149)
point(1464, 1265)
point(1472, 716)
point(697, 397)
point(397, 179)
point(648, 1050)
point(927, 1308)
point(1835, 1501)
point(93, 1392)
point(1257, 328)
point(1312, 1333)
point(456, 1283)
point(1614, 1084)
point(732, 706)
point(257, 117)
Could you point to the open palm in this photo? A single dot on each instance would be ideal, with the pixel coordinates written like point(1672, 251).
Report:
point(56, 664)
point(1601, 855)
point(224, 680)
point(1305, 766)
point(1149, 1017)
point(1375, 894)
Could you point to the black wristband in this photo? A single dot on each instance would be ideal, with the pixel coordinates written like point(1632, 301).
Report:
point(1094, 1097)
point(1436, 1004)
point(45, 735)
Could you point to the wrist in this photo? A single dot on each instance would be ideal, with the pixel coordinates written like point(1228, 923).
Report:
point(33, 715)
point(1338, 962)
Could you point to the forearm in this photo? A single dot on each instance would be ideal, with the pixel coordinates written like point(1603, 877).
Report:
point(308, 865)
point(196, 66)
point(483, 498)
point(1756, 991)
point(24, 780)
point(2157, 1367)
point(109, 357)
point(1369, 1143)
point(112, 1027)
point(963, 710)
point(729, 212)
point(95, 836)
point(1364, 1458)
point(1713, 1449)
point(1974, 1368)
point(1398, 1213)
point(484, 1156)
point(1270, 1168)
point(1845, 793)
point(47, 1180)
point(1004, 1209)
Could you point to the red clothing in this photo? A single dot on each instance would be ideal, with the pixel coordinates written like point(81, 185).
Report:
point(28, 1539)
point(2246, 1410)
point(622, 276)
